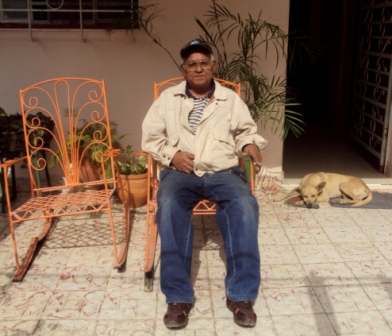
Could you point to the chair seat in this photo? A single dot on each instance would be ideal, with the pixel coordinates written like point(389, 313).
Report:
point(204, 207)
point(63, 204)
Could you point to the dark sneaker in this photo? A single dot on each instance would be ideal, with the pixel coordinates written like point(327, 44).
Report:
point(176, 316)
point(243, 312)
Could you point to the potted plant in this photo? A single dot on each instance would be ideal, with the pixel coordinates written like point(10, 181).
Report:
point(132, 177)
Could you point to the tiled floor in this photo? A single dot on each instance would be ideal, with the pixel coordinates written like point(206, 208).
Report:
point(325, 271)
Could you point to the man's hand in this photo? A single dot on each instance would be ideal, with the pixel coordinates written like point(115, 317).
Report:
point(254, 153)
point(183, 162)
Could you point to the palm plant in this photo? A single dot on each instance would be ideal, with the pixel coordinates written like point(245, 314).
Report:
point(266, 99)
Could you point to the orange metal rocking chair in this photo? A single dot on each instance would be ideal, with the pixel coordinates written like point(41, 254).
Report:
point(204, 207)
point(77, 107)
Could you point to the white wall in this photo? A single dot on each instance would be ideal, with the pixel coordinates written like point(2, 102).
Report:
point(128, 65)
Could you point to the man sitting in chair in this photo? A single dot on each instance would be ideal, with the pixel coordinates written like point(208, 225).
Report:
point(197, 130)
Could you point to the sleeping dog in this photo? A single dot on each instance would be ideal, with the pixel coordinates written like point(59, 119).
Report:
point(319, 187)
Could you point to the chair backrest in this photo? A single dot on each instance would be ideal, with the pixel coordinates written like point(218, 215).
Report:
point(66, 126)
point(158, 87)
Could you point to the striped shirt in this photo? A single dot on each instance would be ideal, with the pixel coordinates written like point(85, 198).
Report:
point(199, 105)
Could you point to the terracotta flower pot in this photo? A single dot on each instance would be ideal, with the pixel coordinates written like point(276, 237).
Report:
point(132, 189)
point(87, 172)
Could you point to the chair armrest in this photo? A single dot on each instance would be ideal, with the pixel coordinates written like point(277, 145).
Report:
point(9, 163)
point(112, 152)
point(249, 169)
point(152, 176)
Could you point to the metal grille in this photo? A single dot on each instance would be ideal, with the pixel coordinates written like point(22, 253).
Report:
point(64, 14)
point(372, 100)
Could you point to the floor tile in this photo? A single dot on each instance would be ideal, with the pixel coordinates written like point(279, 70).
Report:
point(370, 272)
point(278, 254)
point(350, 298)
point(367, 323)
point(275, 276)
point(309, 325)
point(307, 236)
point(317, 253)
point(359, 251)
point(340, 235)
point(330, 274)
point(380, 294)
point(289, 301)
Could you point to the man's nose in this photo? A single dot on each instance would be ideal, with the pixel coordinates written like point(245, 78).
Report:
point(199, 68)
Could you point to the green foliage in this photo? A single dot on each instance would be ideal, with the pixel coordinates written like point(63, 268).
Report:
point(42, 128)
point(12, 133)
point(134, 164)
point(266, 98)
point(93, 138)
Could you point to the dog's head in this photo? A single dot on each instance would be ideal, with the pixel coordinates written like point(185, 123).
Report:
point(309, 194)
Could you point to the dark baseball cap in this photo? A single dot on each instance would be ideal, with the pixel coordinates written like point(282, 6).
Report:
point(193, 46)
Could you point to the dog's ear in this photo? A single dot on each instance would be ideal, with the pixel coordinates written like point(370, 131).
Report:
point(320, 186)
point(298, 190)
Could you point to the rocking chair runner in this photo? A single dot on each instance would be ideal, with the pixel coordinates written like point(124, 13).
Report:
point(79, 106)
point(204, 207)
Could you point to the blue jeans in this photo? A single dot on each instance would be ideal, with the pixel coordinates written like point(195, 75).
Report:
point(237, 214)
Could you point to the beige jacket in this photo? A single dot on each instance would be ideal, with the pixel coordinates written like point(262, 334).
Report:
point(225, 128)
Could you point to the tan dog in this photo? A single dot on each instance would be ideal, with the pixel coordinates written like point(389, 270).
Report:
point(320, 187)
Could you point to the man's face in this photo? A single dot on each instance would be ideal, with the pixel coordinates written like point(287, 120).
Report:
point(198, 70)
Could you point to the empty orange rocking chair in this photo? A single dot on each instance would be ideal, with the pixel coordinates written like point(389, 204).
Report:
point(80, 142)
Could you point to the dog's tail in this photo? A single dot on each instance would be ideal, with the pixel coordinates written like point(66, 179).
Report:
point(366, 200)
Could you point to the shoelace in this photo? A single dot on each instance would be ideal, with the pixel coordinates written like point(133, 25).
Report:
point(179, 308)
point(242, 305)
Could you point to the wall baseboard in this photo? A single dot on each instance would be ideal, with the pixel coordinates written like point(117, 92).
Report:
point(388, 169)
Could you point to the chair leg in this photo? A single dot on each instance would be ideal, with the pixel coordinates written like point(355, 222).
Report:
point(151, 242)
point(149, 281)
point(121, 255)
point(34, 247)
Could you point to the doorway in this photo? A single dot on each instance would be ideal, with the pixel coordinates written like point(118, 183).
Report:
point(325, 88)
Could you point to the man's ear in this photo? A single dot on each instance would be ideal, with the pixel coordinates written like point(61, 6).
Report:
point(214, 66)
point(182, 70)
point(320, 186)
